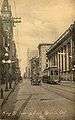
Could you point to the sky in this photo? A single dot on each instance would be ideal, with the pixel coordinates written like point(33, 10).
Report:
point(42, 21)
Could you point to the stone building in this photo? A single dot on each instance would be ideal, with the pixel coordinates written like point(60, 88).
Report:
point(43, 60)
point(35, 69)
point(62, 55)
point(30, 54)
point(1, 51)
point(15, 72)
point(8, 22)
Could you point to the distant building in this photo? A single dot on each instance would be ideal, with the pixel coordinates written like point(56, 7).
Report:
point(43, 60)
point(34, 68)
point(30, 54)
point(62, 55)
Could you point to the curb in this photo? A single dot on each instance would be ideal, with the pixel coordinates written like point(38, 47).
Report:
point(6, 98)
point(15, 116)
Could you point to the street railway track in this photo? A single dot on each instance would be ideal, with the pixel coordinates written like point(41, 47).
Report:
point(63, 89)
point(69, 86)
point(18, 114)
point(54, 89)
point(65, 94)
point(58, 92)
point(23, 107)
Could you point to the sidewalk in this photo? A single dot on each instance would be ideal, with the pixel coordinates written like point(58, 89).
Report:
point(68, 83)
point(5, 94)
point(20, 103)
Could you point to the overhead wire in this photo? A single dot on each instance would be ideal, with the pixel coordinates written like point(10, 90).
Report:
point(17, 29)
point(42, 22)
point(34, 25)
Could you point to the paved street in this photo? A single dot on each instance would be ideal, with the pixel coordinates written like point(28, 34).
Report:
point(37, 43)
point(44, 102)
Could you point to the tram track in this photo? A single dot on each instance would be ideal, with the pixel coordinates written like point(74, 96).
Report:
point(65, 94)
point(16, 116)
point(64, 90)
point(23, 107)
point(69, 86)
point(54, 89)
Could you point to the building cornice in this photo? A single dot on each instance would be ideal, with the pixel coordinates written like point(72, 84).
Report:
point(61, 39)
point(43, 44)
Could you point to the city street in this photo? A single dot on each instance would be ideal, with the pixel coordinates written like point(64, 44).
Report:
point(43, 102)
point(37, 60)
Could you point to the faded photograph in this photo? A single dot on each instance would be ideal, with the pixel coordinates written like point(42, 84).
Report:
point(37, 59)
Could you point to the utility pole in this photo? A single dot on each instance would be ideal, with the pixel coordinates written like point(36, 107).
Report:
point(8, 22)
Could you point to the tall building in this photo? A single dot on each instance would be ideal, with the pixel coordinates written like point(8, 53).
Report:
point(43, 60)
point(16, 73)
point(8, 22)
point(30, 54)
point(62, 55)
point(35, 69)
point(1, 51)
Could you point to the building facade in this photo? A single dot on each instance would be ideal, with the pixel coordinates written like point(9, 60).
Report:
point(1, 51)
point(9, 49)
point(43, 60)
point(30, 55)
point(35, 69)
point(62, 55)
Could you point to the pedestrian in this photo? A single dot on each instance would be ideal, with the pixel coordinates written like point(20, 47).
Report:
point(10, 81)
point(2, 93)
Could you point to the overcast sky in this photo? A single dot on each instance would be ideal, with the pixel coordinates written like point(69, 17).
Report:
point(42, 21)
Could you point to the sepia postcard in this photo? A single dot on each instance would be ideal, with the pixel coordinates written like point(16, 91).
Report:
point(37, 59)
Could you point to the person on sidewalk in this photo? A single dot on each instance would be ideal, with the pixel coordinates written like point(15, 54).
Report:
point(2, 94)
point(10, 81)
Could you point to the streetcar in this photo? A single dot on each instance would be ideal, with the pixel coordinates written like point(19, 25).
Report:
point(50, 75)
point(35, 81)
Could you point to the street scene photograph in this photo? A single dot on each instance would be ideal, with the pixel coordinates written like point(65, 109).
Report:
point(37, 59)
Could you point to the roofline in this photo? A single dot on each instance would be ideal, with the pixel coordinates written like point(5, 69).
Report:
point(67, 32)
point(33, 58)
point(43, 44)
point(51, 67)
